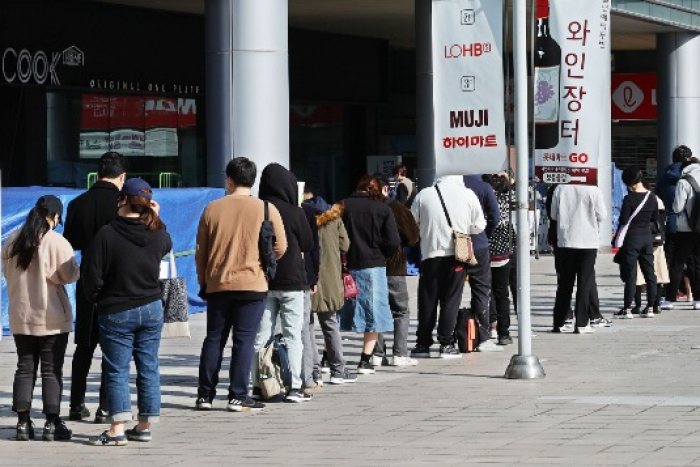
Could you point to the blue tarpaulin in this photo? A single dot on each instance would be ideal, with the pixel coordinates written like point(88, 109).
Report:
point(180, 210)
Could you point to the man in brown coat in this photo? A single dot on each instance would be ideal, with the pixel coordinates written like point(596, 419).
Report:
point(398, 290)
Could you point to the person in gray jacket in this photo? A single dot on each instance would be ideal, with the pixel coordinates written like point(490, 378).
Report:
point(687, 242)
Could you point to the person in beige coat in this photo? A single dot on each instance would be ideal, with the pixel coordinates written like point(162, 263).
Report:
point(37, 263)
point(330, 296)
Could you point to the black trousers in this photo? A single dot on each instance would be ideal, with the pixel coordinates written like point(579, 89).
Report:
point(637, 249)
point(50, 351)
point(441, 282)
point(82, 361)
point(686, 251)
point(594, 302)
point(576, 266)
point(480, 284)
point(240, 319)
point(500, 301)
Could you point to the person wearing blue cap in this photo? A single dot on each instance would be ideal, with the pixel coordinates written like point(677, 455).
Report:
point(120, 274)
point(37, 262)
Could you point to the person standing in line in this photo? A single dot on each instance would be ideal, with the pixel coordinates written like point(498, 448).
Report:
point(660, 266)
point(311, 380)
point(501, 249)
point(86, 215)
point(396, 272)
point(595, 317)
point(442, 277)
point(406, 189)
point(666, 190)
point(578, 211)
point(285, 300)
point(480, 274)
point(37, 263)
point(687, 240)
point(640, 209)
point(234, 285)
point(120, 274)
point(374, 238)
point(330, 296)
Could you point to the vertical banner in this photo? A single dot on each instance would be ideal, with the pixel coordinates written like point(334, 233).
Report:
point(572, 89)
point(468, 87)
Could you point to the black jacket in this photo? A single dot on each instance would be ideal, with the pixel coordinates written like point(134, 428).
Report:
point(89, 212)
point(279, 186)
point(313, 259)
point(120, 270)
point(86, 215)
point(489, 204)
point(372, 230)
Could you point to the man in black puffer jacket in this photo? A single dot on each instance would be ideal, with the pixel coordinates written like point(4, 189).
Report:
point(286, 291)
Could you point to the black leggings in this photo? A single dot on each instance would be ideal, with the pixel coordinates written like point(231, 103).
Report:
point(50, 351)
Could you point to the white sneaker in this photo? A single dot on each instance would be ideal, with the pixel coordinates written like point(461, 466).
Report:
point(666, 305)
point(586, 330)
point(696, 305)
point(489, 346)
point(376, 360)
point(403, 361)
point(494, 334)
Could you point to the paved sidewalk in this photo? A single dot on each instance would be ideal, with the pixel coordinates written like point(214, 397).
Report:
point(626, 395)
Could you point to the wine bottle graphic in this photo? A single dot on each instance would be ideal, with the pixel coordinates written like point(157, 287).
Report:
point(547, 79)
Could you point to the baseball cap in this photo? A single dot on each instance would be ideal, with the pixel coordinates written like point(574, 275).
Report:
point(137, 187)
point(53, 205)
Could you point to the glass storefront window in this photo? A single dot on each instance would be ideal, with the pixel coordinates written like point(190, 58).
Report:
point(158, 134)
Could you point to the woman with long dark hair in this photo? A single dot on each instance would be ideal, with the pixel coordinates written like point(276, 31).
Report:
point(38, 263)
point(374, 238)
point(121, 277)
point(640, 209)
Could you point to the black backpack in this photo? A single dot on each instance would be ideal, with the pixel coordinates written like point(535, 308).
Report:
point(694, 218)
point(266, 244)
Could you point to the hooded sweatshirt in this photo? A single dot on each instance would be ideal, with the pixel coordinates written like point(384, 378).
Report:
point(279, 186)
point(685, 197)
point(122, 266)
point(666, 191)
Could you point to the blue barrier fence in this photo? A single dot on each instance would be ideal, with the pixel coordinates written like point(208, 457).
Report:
point(180, 210)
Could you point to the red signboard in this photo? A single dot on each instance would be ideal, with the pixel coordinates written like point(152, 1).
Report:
point(634, 96)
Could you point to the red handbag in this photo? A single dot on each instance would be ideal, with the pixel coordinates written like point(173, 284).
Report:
point(349, 285)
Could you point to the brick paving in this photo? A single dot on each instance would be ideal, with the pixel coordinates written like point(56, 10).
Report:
point(626, 395)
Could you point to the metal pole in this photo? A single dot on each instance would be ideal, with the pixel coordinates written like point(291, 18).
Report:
point(425, 173)
point(524, 365)
point(247, 92)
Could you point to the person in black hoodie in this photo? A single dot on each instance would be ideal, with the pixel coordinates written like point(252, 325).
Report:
point(286, 292)
point(120, 275)
point(86, 215)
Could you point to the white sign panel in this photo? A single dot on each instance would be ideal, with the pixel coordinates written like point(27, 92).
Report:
point(572, 89)
point(468, 87)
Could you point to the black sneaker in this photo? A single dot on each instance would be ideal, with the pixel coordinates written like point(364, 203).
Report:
point(203, 403)
point(297, 395)
point(505, 340)
point(420, 351)
point(105, 439)
point(143, 436)
point(342, 378)
point(78, 413)
point(56, 431)
point(248, 405)
point(101, 416)
point(449, 351)
point(25, 431)
point(365, 368)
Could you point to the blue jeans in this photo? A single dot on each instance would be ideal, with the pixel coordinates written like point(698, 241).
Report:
point(289, 306)
point(240, 319)
point(136, 333)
